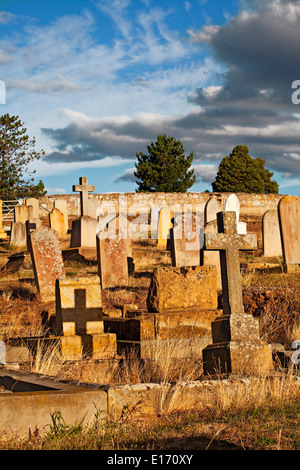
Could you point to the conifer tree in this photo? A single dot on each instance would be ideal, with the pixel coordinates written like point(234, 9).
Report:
point(16, 152)
point(240, 173)
point(165, 168)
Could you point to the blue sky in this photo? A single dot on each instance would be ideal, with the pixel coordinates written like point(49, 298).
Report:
point(95, 82)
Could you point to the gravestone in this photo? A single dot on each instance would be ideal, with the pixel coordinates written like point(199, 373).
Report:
point(212, 258)
point(21, 213)
point(32, 201)
point(187, 239)
point(18, 237)
point(289, 217)
point(237, 347)
point(3, 234)
point(232, 204)
point(85, 227)
point(61, 204)
point(57, 221)
point(271, 234)
point(79, 319)
point(47, 261)
point(112, 251)
point(165, 225)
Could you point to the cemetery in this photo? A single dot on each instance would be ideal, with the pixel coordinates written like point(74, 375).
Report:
point(98, 282)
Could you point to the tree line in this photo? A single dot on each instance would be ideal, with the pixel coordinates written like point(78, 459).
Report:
point(164, 168)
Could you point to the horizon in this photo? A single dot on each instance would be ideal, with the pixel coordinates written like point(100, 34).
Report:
point(96, 81)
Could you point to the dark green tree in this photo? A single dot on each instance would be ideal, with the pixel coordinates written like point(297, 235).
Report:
point(16, 152)
point(165, 168)
point(240, 173)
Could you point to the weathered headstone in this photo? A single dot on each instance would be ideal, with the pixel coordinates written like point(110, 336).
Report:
point(183, 288)
point(289, 216)
point(79, 319)
point(237, 347)
point(271, 234)
point(32, 201)
point(232, 204)
point(57, 221)
point(18, 237)
point(47, 261)
point(112, 252)
point(62, 205)
point(212, 258)
point(21, 213)
point(165, 224)
point(187, 239)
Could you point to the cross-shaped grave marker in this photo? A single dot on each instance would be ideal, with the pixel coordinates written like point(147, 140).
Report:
point(229, 243)
point(84, 188)
point(237, 347)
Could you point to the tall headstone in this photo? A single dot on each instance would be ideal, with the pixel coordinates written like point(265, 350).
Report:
point(289, 216)
point(3, 234)
point(18, 237)
point(47, 261)
point(61, 204)
point(232, 204)
point(57, 221)
point(187, 239)
point(21, 213)
point(212, 258)
point(165, 224)
point(237, 347)
point(271, 234)
point(32, 201)
point(85, 227)
point(112, 260)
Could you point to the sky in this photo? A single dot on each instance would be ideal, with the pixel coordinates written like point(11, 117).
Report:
point(96, 81)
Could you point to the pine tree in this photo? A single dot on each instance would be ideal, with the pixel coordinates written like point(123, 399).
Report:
point(240, 173)
point(166, 168)
point(16, 152)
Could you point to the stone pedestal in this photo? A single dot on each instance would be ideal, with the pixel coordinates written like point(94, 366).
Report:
point(237, 347)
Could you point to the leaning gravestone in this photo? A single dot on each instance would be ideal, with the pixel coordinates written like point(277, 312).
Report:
point(271, 234)
point(47, 261)
point(57, 221)
point(18, 235)
point(61, 204)
point(237, 347)
point(289, 216)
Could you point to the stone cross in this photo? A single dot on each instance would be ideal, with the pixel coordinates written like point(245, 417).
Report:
point(84, 190)
point(229, 243)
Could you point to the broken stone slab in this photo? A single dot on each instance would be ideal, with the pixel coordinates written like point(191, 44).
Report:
point(183, 287)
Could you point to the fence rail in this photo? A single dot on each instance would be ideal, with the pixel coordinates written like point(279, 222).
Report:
point(8, 210)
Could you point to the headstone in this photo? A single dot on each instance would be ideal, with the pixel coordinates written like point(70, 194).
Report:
point(84, 228)
point(21, 213)
point(3, 234)
point(232, 204)
point(84, 188)
point(62, 205)
point(32, 201)
point(79, 306)
point(165, 224)
point(183, 288)
point(271, 234)
point(57, 221)
point(187, 239)
point(18, 237)
point(47, 261)
point(237, 347)
point(289, 216)
point(212, 258)
point(112, 258)
point(79, 320)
